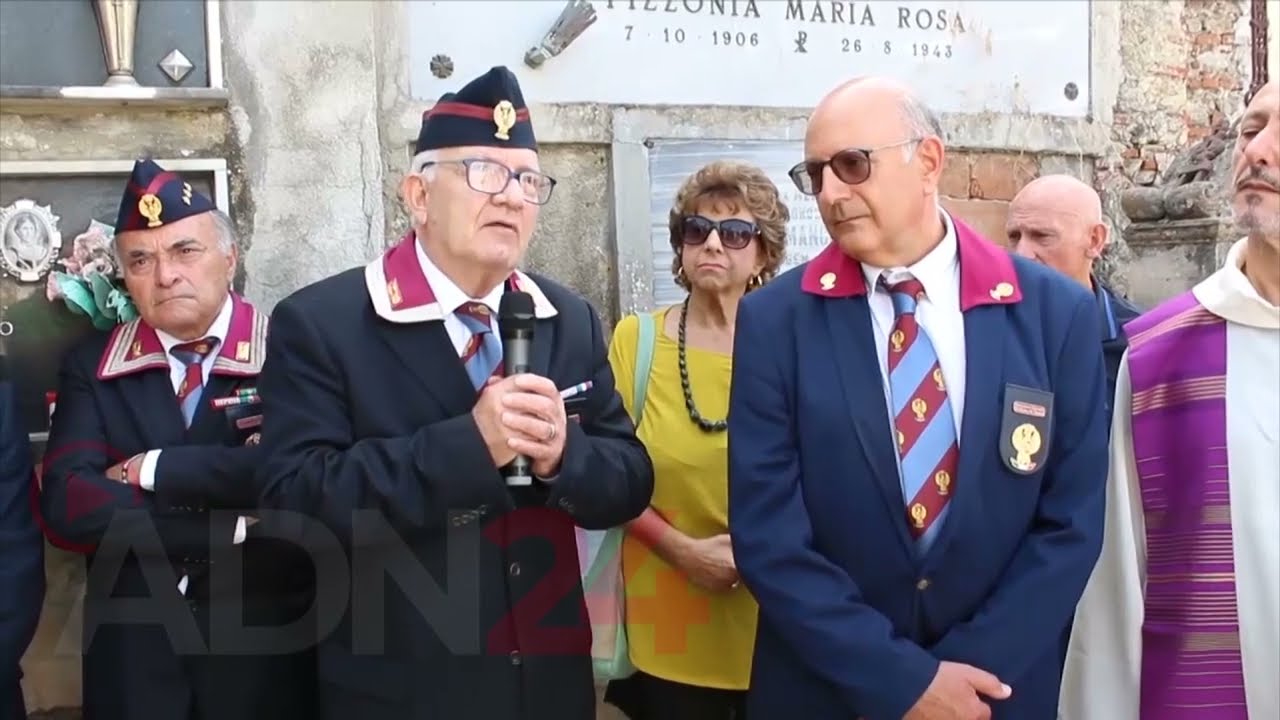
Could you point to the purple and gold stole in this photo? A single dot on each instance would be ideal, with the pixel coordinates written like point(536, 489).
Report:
point(1191, 662)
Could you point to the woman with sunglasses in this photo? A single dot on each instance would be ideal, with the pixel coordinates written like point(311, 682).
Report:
point(691, 626)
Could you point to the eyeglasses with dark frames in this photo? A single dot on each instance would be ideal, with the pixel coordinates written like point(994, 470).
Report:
point(851, 166)
point(735, 233)
point(492, 177)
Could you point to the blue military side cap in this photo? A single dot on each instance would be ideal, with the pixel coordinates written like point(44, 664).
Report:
point(488, 111)
point(155, 197)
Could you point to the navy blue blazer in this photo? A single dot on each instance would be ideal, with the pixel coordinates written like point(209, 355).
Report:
point(368, 431)
point(233, 645)
point(852, 623)
point(1114, 312)
point(21, 550)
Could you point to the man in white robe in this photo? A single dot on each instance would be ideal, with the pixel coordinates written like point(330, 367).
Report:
point(1190, 564)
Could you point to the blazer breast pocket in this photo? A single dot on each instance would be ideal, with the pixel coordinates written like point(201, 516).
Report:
point(573, 409)
point(1026, 428)
point(243, 422)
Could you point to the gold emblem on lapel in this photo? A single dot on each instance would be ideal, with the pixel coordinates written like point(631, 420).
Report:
point(242, 351)
point(918, 514)
point(135, 350)
point(151, 207)
point(1001, 291)
point(896, 339)
point(504, 116)
point(942, 479)
point(1026, 442)
point(828, 280)
point(393, 293)
point(919, 407)
point(186, 194)
point(937, 380)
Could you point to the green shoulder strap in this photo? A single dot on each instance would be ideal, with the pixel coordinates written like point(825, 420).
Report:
point(644, 360)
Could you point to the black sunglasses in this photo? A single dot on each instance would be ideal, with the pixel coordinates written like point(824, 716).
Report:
point(734, 234)
point(851, 166)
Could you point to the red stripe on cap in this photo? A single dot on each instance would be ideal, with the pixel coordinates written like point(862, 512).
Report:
point(478, 112)
point(156, 183)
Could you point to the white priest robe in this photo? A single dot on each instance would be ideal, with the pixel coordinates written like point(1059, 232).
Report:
point(1104, 660)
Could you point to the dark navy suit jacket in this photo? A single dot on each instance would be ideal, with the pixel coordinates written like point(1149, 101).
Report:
point(21, 552)
point(1113, 312)
point(852, 623)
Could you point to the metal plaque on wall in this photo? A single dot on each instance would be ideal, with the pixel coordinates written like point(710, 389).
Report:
point(44, 207)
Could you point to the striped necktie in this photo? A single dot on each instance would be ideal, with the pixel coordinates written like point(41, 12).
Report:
point(192, 355)
point(923, 422)
point(482, 355)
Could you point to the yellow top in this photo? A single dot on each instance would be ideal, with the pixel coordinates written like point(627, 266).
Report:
point(676, 630)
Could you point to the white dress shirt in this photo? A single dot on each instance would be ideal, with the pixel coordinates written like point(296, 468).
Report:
point(1102, 677)
point(938, 314)
point(450, 297)
point(178, 372)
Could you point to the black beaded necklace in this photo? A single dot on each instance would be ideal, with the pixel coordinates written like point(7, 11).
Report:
point(705, 424)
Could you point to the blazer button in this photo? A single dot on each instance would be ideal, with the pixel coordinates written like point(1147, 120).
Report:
point(514, 569)
point(515, 657)
point(922, 584)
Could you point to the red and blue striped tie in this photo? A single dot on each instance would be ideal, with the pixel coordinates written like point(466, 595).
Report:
point(192, 355)
point(482, 355)
point(923, 421)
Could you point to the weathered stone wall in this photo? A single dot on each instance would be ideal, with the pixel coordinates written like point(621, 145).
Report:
point(318, 130)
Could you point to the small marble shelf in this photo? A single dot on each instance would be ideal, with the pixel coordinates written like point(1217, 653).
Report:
point(19, 98)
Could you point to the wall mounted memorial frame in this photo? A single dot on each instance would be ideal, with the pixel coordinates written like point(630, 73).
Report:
point(34, 331)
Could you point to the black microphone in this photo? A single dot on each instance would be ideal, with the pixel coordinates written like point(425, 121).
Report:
point(515, 322)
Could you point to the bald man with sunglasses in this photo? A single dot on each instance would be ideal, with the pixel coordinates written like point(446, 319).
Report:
point(917, 445)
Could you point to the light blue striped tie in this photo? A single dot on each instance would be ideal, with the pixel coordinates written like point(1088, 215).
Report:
point(192, 355)
point(923, 422)
point(483, 353)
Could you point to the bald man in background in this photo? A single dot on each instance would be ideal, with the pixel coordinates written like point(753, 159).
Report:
point(1057, 220)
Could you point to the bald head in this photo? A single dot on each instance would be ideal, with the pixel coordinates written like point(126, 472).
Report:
point(885, 98)
point(873, 156)
point(1057, 220)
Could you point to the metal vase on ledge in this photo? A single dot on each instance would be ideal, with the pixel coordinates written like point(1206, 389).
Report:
point(117, 24)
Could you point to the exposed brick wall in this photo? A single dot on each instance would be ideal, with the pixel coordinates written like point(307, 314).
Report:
point(977, 187)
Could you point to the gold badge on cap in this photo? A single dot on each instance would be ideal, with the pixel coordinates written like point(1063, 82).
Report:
point(151, 207)
point(1001, 291)
point(828, 280)
point(242, 351)
point(1026, 442)
point(918, 514)
point(504, 116)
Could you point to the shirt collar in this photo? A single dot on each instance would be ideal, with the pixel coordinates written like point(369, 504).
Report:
point(449, 296)
point(1228, 294)
point(218, 330)
point(937, 270)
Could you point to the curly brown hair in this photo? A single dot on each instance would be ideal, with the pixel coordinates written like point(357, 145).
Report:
point(733, 183)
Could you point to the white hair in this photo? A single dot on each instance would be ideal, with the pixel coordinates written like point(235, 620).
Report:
point(920, 120)
point(222, 224)
point(421, 163)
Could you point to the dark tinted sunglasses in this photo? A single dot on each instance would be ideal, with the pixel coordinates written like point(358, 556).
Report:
point(734, 234)
point(851, 166)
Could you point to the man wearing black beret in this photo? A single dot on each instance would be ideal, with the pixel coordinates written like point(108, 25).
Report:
point(388, 420)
